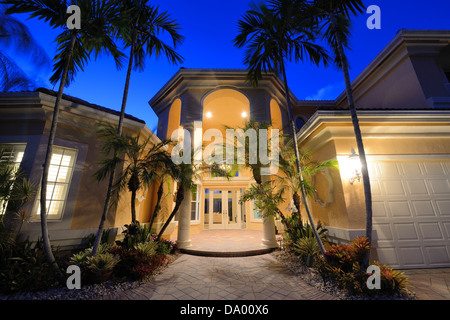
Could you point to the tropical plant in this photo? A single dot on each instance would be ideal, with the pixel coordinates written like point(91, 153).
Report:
point(275, 35)
point(147, 249)
point(308, 248)
point(101, 264)
point(24, 267)
point(183, 174)
point(333, 17)
point(289, 178)
point(74, 50)
point(142, 36)
point(16, 36)
point(141, 161)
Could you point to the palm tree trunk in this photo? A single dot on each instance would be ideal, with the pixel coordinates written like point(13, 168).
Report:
point(48, 155)
point(113, 172)
point(297, 203)
point(178, 201)
point(297, 161)
point(359, 141)
point(158, 204)
point(133, 206)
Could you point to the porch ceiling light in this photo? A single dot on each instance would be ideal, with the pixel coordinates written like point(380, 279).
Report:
point(354, 167)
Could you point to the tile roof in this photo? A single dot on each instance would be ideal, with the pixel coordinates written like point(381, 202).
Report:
point(88, 104)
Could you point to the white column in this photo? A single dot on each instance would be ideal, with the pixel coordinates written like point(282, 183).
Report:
point(269, 239)
point(184, 222)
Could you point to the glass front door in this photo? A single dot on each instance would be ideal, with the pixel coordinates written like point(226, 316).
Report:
point(222, 209)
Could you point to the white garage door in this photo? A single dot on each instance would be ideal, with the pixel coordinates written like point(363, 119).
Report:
point(411, 212)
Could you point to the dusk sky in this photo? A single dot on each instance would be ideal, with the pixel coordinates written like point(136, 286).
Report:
point(209, 27)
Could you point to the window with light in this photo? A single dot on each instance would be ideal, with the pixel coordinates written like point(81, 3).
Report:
point(58, 182)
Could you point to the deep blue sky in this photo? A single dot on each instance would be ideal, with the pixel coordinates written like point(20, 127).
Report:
point(209, 27)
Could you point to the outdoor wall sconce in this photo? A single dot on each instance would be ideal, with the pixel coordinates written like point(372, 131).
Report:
point(354, 167)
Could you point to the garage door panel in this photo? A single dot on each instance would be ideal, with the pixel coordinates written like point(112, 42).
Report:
point(411, 212)
point(411, 256)
point(438, 255)
point(406, 231)
point(389, 169)
point(384, 233)
point(447, 229)
point(439, 186)
point(431, 231)
point(393, 187)
point(434, 168)
point(399, 209)
point(417, 187)
point(379, 210)
point(443, 207)
point(412, 168)
point(423, 208)
point(388, 256)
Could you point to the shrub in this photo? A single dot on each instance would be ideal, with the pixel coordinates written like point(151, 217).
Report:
point(308, 249)
point(391, 280)
point(24, 267)
point(100, 267)
point(134, 234)
point(343, 268)
point(300, 230)
point(146, 249)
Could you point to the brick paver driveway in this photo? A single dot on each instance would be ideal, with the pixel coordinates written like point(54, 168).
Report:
point(214, 278)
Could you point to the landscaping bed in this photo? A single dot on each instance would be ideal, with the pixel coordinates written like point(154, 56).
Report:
point(310, 274)
point(26, 275)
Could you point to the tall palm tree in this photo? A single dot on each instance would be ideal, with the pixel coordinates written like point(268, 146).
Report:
point(74, 51)
point(274, 35)
point(142, 36)
point(334, 17)
point(16, 36)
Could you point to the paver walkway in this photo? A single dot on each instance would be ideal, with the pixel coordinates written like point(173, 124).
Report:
point(430, 284)
point(216, 278)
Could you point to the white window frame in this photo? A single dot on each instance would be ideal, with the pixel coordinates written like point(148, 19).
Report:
point(16, 154)
point(253, 211)
point(196, 204)
point(58, 216)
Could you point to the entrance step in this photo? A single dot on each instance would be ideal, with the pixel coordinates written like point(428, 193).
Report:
point(227, 243)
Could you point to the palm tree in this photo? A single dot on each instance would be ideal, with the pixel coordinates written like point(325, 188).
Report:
point(145, 24)
point(142, 161)
point(334, 16)
point(289, 178)
point(74, 50)
point(274, 36)
point(183, 174)
point(15, 35)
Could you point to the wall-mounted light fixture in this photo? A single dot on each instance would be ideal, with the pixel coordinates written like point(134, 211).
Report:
point(354, 167)
point(208, 114)
point(244, 114)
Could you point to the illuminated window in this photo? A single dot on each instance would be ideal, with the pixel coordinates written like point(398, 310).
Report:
point(10, 158)
point(195, 204)
point(58, 183)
